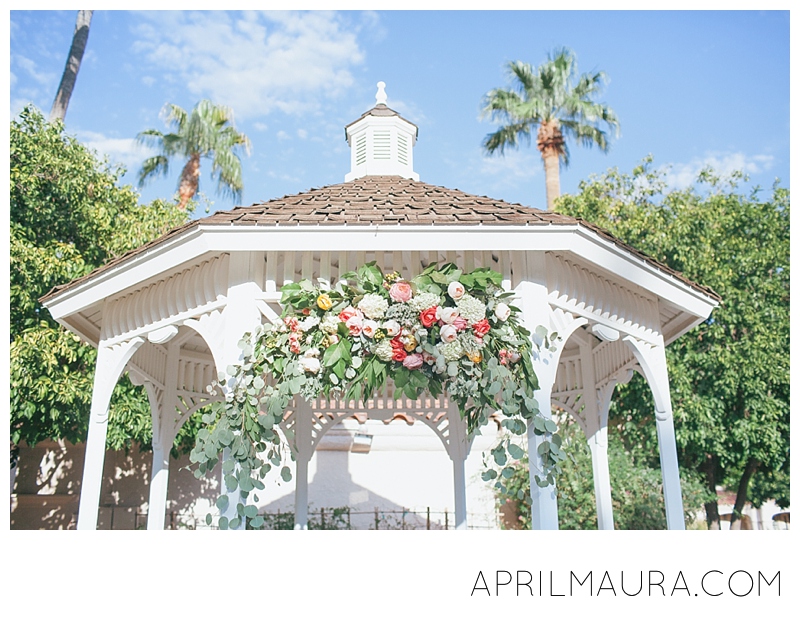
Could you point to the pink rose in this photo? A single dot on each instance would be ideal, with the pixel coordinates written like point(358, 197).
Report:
point(348, 313)
point(412, 362)
point(392, 328)
point(460, 323)
point(428, 358)
point(456, 290)
point(400, 291)
point(448, 333)
point(447, 315)
point(369, 327)
point(355, 324)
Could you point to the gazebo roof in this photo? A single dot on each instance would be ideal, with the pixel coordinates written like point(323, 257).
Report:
point(387, 202)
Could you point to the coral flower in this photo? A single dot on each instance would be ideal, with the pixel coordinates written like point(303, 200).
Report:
point(428, 317)
point(398, 350)
point(481, 328)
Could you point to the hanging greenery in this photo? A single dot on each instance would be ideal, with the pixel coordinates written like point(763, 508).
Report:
point(442, 331)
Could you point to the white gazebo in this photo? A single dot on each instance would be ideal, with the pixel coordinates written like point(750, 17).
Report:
point(171, 312)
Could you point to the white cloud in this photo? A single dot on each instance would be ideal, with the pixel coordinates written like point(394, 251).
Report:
point(125, 151)
point(682, 175)
point(255, 62)
point(302, 134)
point(29, 66)
point(514, 165)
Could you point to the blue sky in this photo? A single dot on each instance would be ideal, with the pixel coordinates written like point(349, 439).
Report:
point(691, 88)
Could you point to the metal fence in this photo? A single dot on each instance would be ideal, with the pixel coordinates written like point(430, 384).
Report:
point(342, 518)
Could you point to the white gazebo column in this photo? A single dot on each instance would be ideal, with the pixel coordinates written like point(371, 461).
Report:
point(303, 453)
point(598, 447)
point(164, 414)
point(595, 415)
point(536, 311)
point(223, 331)
point(111, 361)
point(653, 361)
point(458, 450)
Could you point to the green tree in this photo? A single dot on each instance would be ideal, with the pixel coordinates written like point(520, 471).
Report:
point(557, 101)
point(729, 376)
point(208, 132)
point(67, 217)
point(636, 492)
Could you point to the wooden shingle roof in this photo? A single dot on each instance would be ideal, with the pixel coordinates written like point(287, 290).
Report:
point(386, 201)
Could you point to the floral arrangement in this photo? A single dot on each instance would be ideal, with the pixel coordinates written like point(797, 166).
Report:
point(443, 330)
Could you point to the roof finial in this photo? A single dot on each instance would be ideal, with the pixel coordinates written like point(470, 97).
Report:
point(380, 96)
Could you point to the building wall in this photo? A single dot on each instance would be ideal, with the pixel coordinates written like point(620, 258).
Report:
point(406, 468)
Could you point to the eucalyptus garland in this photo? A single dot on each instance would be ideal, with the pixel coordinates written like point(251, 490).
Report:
point(442, 331)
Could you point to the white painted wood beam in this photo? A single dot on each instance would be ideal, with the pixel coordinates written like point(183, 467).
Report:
point(653, 362)
point(111, 361)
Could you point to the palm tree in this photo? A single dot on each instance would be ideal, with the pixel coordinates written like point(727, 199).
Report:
point(79, 39)
point(207, 131)
point(550, 98)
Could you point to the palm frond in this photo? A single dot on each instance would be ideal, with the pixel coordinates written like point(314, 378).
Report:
point(153, 167)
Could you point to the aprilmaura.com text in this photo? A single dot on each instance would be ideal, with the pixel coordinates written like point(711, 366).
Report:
point(653, 583)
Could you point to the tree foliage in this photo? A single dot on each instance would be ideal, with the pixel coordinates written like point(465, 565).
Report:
point(68, 216)
point(205, 132)
point(557, 102)
point(729, 376)
point(636, 490)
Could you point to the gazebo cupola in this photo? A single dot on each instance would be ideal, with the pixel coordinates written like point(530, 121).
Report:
point(381, 142)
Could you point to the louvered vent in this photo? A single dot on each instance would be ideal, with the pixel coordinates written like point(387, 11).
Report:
point(361, 149)
point(382, 141)
point(402, 149)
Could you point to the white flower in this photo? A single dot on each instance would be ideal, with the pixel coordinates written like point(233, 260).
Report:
point(471, 308)
point(423, 301)
point(502, 311)
point(310, 364)
point(368, 328)
point(311, 353)
point(384, 350)
point(373, 306)
point(308, 323)
point(456, 290)
point(451, 351)
point(392, 328)
point(330, 323)
point(447, 315)
point(448, 333)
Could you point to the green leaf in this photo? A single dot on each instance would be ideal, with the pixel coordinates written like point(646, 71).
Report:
point(250, 511)
point(515, 451)
point(222, 503)
point(223, 523)
point(257, 522)
point(286, 473)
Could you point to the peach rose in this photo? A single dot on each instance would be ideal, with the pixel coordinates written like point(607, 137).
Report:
point(400, 291)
